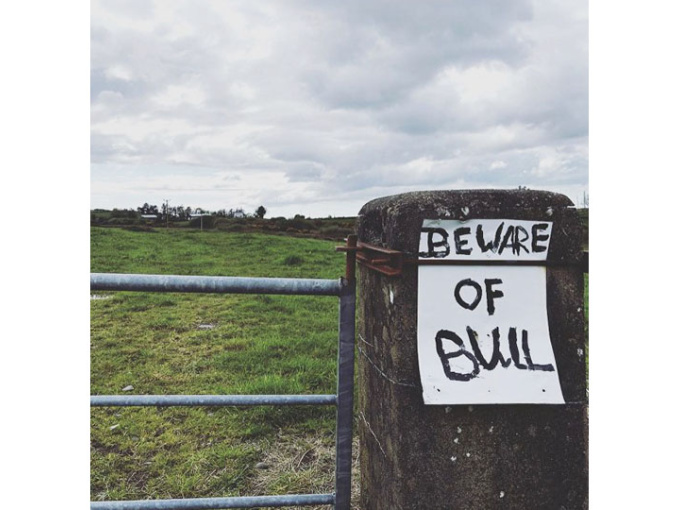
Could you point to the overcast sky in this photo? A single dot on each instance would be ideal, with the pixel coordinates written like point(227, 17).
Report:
point(316, 107)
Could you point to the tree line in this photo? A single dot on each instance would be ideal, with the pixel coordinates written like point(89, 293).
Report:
point(181, 213)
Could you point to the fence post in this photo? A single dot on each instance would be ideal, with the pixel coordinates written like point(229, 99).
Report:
point(471, 456)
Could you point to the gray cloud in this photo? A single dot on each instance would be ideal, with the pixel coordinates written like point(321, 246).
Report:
point(323, 98)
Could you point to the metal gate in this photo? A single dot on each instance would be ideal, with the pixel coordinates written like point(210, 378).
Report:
point(344, 289)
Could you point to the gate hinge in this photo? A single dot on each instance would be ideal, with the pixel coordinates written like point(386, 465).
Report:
point(384, 260)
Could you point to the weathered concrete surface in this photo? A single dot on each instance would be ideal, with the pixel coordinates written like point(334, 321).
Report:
point(466, 457)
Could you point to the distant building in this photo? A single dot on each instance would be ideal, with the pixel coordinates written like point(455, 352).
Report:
point(149, 216)
point(239, 214)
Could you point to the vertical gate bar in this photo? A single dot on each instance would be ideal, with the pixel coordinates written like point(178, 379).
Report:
point(345, 409)
point(351, 258)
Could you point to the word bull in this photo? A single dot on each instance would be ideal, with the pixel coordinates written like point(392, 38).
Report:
point(477, 360)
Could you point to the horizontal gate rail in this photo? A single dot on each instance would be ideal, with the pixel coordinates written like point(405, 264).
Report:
point(204, 503)
point(210, 400)
point(214, 284)
point(342, 288)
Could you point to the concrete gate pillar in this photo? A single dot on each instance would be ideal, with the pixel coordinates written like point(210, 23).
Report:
point(416, 456)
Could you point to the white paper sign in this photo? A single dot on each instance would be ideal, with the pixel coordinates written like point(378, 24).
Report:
point(485, 240)
point(483, 334)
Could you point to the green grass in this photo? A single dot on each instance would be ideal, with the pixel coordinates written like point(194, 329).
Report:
point(168, 343)
point(213, 344)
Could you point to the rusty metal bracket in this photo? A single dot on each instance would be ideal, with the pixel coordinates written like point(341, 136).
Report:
point(384, 260)
point(391, 262)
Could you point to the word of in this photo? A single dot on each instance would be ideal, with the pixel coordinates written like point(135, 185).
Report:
point(491, 294)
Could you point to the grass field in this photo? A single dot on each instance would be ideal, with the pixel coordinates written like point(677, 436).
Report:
point(169, 343)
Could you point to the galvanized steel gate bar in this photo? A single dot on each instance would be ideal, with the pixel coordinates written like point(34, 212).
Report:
point(343, 400)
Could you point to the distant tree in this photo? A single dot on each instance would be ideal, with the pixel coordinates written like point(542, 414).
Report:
point(260, 212)
point(148, 209)
point(123, 213)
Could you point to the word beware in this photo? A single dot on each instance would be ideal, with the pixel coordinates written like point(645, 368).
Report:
point(514, 238)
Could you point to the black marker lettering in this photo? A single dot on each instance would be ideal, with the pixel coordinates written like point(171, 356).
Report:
point(432, 244)
point(444, 357)
point(518, 244)
point(527, 355)
point(491, 293)
point(514, 352)
point(492, 245)
point(461, 243)
point(469, 283)
point(507, 239)
point(496, 354)
point(536, 237)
